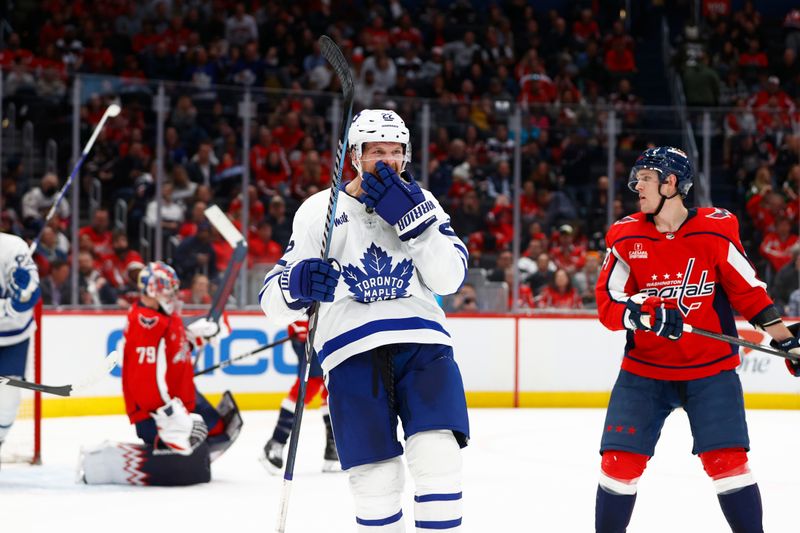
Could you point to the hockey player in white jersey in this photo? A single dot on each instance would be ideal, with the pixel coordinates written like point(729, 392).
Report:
point(381, 339)
point(19, 292)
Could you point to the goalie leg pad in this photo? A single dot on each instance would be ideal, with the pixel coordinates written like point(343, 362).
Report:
point(728, 468)
point(620, 471)
point(140, 464)
point(231, 422)
point(9, 405)
point(377, 489)
point(434, 460)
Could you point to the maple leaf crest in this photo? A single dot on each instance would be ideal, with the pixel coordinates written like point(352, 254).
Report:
point(378, 280)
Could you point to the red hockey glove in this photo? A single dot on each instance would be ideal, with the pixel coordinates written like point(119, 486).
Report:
point(298, 330)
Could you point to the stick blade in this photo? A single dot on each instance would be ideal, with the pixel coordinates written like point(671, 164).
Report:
point(224, 226)
point(333, 54)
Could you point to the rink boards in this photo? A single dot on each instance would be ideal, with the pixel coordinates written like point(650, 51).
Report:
point(505, 361)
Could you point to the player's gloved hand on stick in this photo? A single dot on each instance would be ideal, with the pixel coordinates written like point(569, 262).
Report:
point(792, 346)
point(204, 331)
point(180, 430)
point(310, 280)
point(665, 319)
point(298, 330)
point(400, 203)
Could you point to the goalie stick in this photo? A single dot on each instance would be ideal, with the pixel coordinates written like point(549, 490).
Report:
point(237, 241)
point(66, 390)
point(229, 362)
point(334, 56)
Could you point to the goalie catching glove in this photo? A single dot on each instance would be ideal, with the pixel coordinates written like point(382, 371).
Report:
point(400, 203)
point(665, 319)
point(792, 346)
point(178, 429)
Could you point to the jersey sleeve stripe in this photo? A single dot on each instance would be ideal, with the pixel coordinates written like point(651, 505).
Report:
point(161, 373)
point(618, 278)
point(743, 267)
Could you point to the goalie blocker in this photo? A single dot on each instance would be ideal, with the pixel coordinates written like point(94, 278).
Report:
point(156, 464)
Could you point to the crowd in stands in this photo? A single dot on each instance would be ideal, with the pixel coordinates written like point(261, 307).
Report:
point(473, 62)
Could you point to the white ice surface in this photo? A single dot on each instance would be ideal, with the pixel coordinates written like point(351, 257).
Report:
point(532, 470)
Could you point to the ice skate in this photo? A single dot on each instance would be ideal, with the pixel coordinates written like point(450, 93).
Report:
point(272, 456)
point(331, 458)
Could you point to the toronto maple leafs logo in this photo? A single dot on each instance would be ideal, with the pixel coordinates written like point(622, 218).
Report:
point(379, 280)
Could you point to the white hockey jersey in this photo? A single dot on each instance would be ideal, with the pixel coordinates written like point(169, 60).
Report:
point(386, 291)
point(15, 326)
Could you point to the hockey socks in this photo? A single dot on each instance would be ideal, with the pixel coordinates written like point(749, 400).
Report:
point(736, 488)
point(742, 509)
point(612, 512)
point(284, 426)
point(616, 493)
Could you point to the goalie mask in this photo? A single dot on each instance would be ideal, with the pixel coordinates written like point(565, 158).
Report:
point(158, 280)
point(378, 125)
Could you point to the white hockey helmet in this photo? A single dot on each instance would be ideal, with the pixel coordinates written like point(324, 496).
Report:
point(378, 125)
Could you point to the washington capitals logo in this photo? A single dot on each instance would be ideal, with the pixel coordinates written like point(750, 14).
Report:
point(147, 322)
point(684, 289)
point(379, 280)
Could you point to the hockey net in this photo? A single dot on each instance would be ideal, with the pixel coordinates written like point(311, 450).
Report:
point(23, 442)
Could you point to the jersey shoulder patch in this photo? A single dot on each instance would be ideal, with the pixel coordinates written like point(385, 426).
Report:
point(719, 213)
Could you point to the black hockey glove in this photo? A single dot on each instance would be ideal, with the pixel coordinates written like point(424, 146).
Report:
point(792, 346)
point(665, 319)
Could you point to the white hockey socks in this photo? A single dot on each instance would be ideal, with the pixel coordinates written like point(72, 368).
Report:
point(377, 489)
point(9, 405)
point(434, 460)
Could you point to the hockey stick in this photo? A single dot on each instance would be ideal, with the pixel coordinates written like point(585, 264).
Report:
point(66, 390)
point(237, 241)
point(111, 111)
point(733, 340)
point(741, 342)
point(334, 56)
point(232, 360)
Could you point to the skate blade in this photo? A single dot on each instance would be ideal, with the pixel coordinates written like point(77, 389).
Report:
point(331, 466)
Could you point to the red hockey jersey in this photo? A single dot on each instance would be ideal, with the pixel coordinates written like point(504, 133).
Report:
point(157, 363)
point(703, 267)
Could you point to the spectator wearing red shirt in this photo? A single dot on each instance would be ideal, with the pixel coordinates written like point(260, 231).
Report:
point(585, 28)
point(776, 246)
point(764, 208)
point(115, 266)
point(197, 293)
point(375, 35)
point(566, 253)
point(620, 60)
point(196, 217)
point(98, 58)
point(261, 247)
point(255, 208)
point(559, 293)
point(290, 133)
point(99, 233)
point(405, 35)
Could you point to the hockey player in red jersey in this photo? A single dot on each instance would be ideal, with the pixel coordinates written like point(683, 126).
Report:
point(181, 431)
point(272, 456)
point(665, 265)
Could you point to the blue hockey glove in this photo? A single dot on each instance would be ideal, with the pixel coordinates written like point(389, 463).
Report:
point(23, 295)
point(400, 203)
point(310, 280)
point(791, 345)
point(665, 320)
